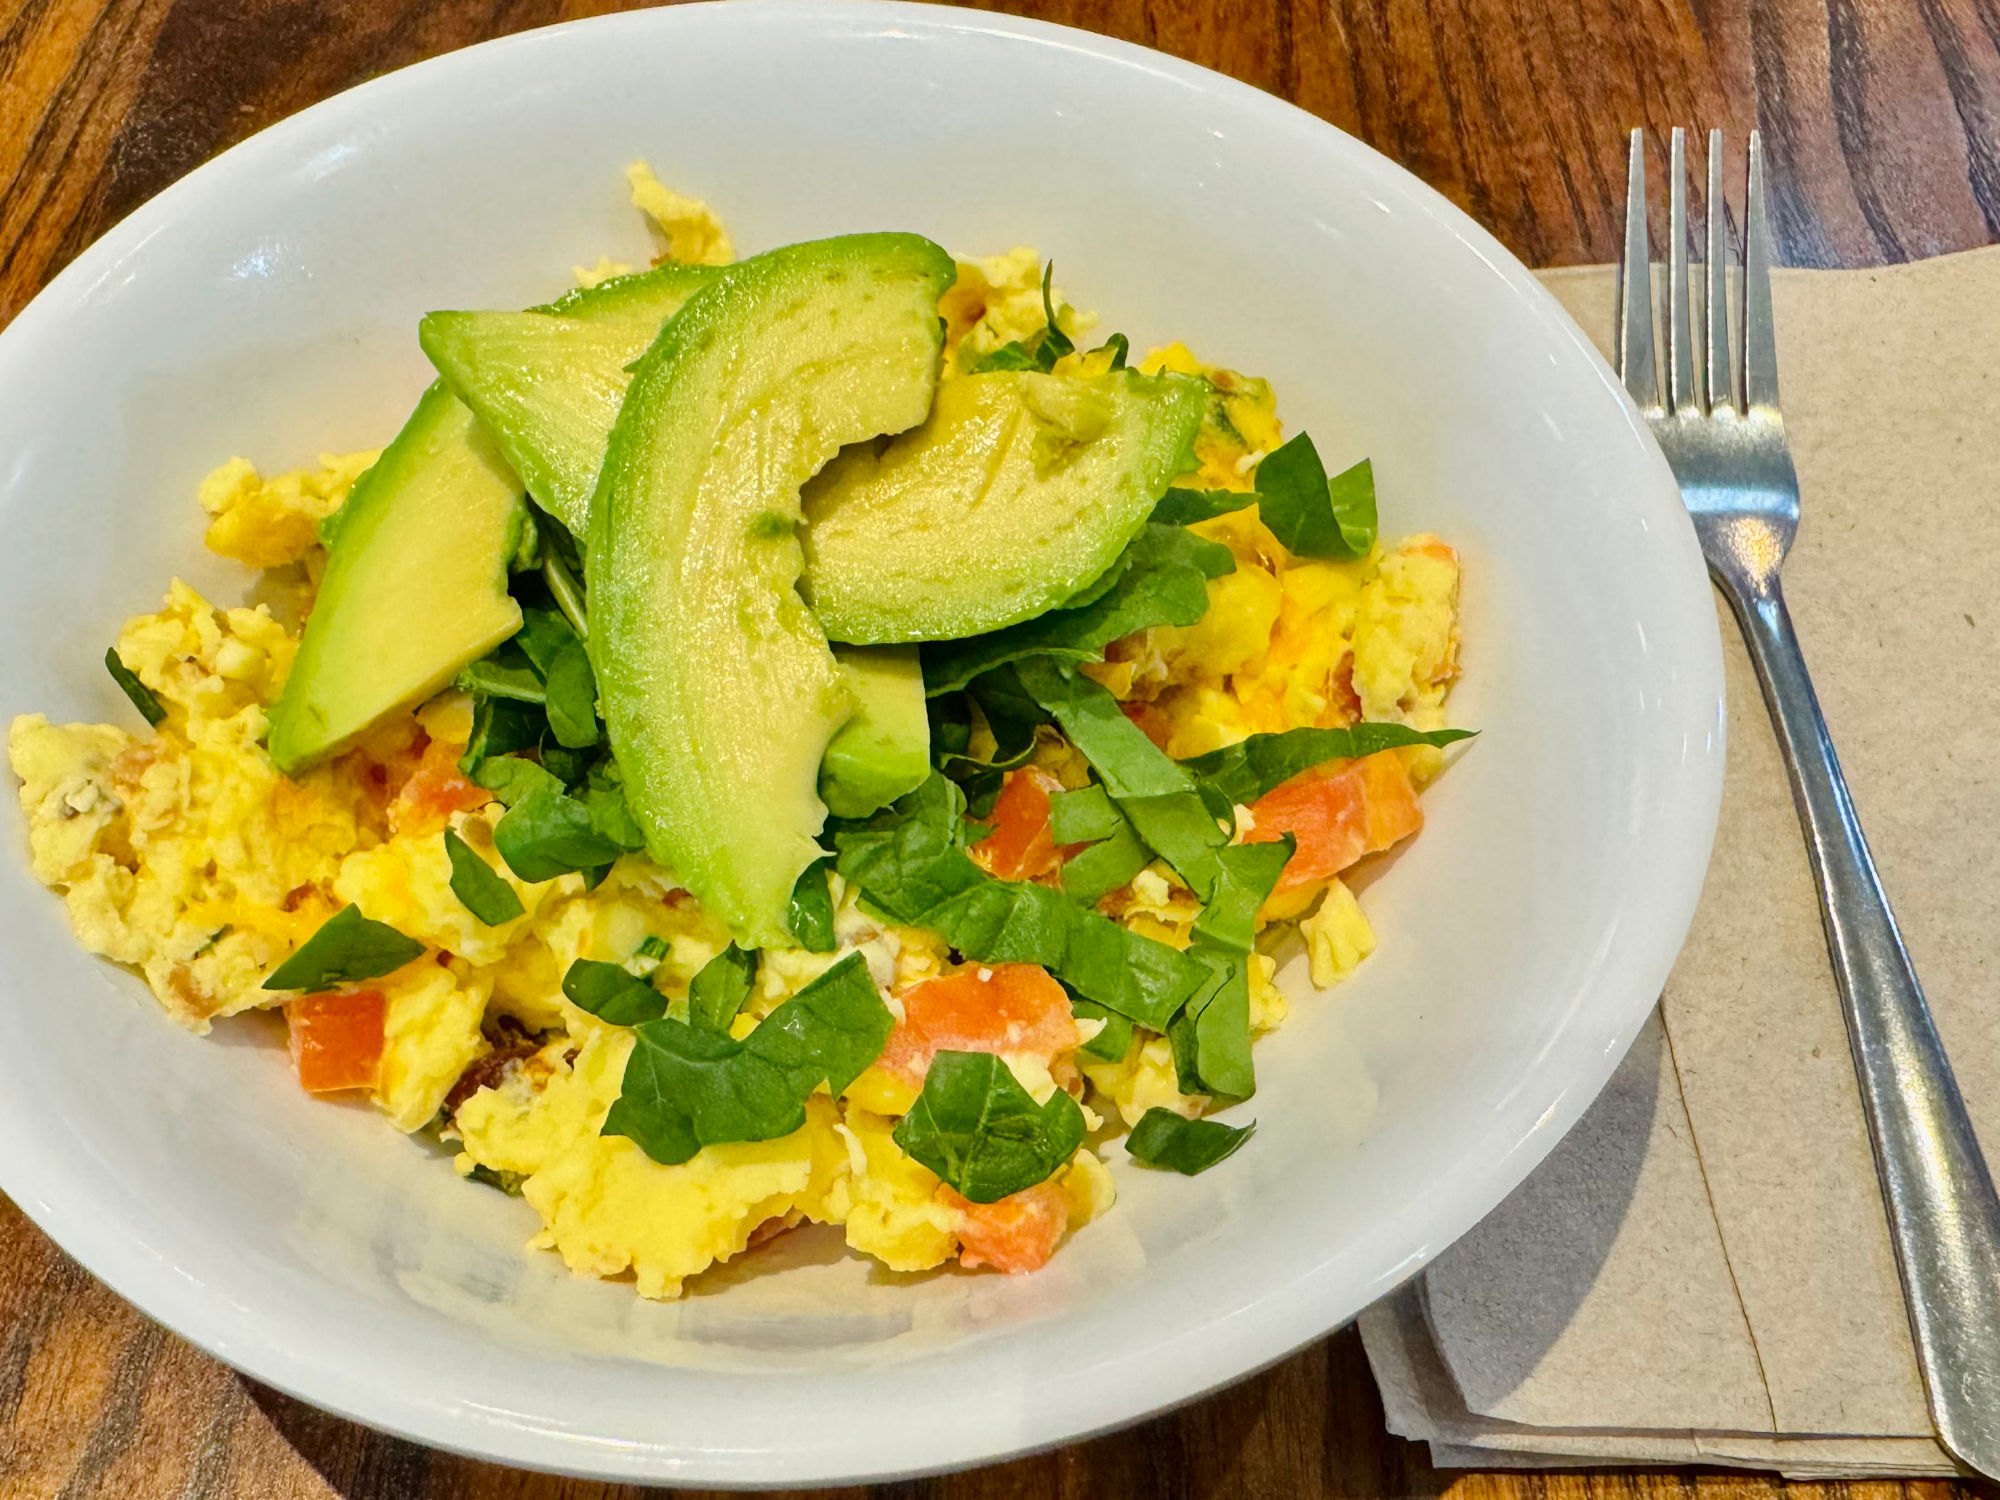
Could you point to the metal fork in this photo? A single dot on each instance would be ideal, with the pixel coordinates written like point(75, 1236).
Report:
point(1726, 444)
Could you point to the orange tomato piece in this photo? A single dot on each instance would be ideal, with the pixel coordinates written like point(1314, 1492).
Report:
point(1016, 1008)
point(434, 791)
point(1015, 1235)
point(1020, 847)
point(337, 1039)
point(1338, 813)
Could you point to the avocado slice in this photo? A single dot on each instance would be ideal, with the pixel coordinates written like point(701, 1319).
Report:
point(716, 682)
point(884, 751)
point(1019, 490)
point(547, 382)
point(415, 585)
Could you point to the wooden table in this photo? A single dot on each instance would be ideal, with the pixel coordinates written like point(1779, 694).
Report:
point(1883, 125)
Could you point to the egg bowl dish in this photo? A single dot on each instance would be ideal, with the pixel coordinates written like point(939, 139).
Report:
point(266, 306)
point(1164, 771)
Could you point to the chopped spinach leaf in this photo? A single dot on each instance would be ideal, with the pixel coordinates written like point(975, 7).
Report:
point(1083, 816)
point(500, 726)
point(1312, 515)
point(1247, 873)
point(479, 889)
point(505, 672)
point(1184, 507)
point(561, 572)
point(548, 833)
point(910, 864)
point(719, 991)
point(810, 917)
point(1211, 1035)
point(542, 636)
point(978, 1129)
point(1245, 771)
point(1104, 867)
point(685, 1088)
point(511, 778)
point(1113, 1041)
point(1120, 347)
point(654, 947)
point(1054, 343)
point(507, 1182)
point(572, 697)
point(347, 947)
point(1163, 580)
point(150, 708)
point(612, 993)
point(1190, 1147)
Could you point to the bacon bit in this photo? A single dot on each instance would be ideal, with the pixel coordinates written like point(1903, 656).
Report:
point(1338, 813)
point(488, 1071)
point(337, 1039)
point(434, 791)
point(1019, 1009)
point(1019, 847)
point(1016, 1235)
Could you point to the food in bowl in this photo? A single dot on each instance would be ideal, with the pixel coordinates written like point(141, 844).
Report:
point(1092, 682)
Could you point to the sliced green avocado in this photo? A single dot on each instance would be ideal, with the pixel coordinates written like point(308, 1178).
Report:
point(415, 585)
point(547, 382)
point(1019, 490)
point(717, 685)
point(884, 751)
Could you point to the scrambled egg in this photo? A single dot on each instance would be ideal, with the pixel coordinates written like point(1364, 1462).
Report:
point(187, 856)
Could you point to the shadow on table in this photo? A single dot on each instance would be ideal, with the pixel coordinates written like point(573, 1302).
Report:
point(1309, 1427)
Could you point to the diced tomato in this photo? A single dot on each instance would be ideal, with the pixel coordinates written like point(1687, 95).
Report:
point(434, 791)
point(1149, 719)
point(1337, 812)
point(337, 1039)
point(1015, 1235)
point(1016, 1008)
point(1019, 847)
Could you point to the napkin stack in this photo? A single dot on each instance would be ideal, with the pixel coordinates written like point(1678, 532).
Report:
point(1701, 1272)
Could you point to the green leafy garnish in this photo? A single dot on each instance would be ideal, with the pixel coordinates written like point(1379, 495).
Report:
point(1054, 343)
point(150, 708)
point(686, 1088)
point(612, 993)
point(1248, 872)
point(478, 888)
point(1312, 515)
point(1184, 507)
point(910, 864)
point(1094, 873)
point(1190, 1147)
point(347, 947)
point(718, 992)
point(500, 726)
point(1157, 794)
point(979, 1130)
point(1083, 816)
point(654, 947)
point(1245, 771)
point(1161, 578)
point(1113, 1041)
point(548, 833)
point(810, 917)
point(511, 778)
point(572, 697)
point(1211, 1035)
point(1120, 347)
point(505, 672)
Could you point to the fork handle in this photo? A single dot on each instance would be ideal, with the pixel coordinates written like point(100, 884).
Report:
point(1943, 1216)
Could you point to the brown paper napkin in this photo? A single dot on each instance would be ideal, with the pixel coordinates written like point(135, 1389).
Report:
point(1701, 1273)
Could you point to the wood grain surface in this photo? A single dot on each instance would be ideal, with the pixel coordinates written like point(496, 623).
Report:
point(1883, 124)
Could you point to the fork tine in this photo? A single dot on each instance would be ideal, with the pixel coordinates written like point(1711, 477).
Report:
point(1760, 343)
point(1680, 333)
point(1721, 389)
point(1635, 288)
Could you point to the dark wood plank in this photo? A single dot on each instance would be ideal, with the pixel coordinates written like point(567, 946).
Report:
point(1883, 123)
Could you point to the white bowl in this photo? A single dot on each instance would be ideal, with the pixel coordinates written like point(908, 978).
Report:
point(267, 305)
